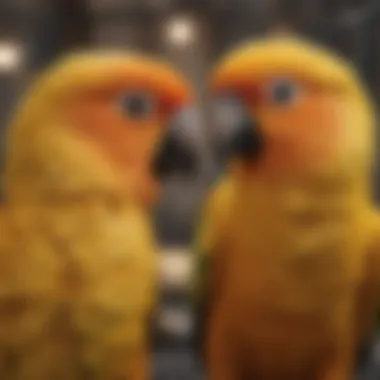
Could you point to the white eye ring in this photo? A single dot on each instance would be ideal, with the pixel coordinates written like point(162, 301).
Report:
point(137, 105)
point(283, 92)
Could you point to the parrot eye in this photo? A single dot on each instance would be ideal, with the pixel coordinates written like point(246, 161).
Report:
point(137, 105)
point(283, 92)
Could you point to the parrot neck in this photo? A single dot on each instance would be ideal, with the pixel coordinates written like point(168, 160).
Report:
point(309, 200)
point(278, 228)
point(313, 185)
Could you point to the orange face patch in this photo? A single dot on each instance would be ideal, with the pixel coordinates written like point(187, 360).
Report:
point(302, 134)
point(127, 142)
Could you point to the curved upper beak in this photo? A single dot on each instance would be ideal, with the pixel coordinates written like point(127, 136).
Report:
point(176, 154)
point(247, 141)
point(241, 133)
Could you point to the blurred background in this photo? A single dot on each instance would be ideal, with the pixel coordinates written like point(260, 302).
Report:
point(192, 34)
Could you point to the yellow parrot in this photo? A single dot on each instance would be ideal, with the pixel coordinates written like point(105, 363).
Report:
point(85, 153)
point(287, 253)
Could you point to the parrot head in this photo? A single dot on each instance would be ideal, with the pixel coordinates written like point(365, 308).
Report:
point(292, 107)
point(99, 121)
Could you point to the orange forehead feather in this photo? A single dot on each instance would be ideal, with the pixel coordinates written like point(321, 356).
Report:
point(97, 71)
point(262, 59)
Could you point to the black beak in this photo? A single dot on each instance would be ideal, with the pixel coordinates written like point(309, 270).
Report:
point(174, 156)
point(247, 141)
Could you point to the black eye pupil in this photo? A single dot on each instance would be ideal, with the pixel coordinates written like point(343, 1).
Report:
point(135, 106)
point(283, 93)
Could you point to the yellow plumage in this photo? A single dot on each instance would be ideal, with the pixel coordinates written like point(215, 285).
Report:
point(85, 276)
point(77, 284)
point(290, 242)
point(272, 55)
